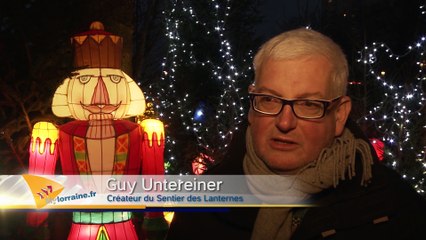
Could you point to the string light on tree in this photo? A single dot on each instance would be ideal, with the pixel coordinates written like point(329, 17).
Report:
point(399, 114)
point(189, 27)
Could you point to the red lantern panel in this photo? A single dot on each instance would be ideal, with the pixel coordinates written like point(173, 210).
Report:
point(378, 146)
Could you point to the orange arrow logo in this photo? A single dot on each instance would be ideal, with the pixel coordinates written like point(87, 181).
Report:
point(44, 190)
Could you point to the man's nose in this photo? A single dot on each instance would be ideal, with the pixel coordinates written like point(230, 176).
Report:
point(100, 94)
point(286, 120)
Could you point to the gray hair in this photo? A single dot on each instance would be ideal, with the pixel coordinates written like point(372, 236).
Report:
point(305, 42)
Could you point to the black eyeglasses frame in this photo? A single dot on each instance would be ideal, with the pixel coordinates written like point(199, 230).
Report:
point(326, 104)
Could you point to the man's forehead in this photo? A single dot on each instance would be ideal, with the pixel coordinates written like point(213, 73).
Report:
point(281, 76)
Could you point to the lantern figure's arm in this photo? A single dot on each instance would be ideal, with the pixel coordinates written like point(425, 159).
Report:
point(152, 147)
point(43, 153)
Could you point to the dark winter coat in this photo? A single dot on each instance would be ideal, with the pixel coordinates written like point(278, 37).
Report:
point(388, 208)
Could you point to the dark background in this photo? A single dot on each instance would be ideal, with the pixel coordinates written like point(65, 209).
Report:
point(36, 55)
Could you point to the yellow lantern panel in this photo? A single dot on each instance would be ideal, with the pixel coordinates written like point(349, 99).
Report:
point(44, 131)
point(151, 126)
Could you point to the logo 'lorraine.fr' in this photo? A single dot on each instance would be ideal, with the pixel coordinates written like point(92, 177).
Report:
point(43, 189)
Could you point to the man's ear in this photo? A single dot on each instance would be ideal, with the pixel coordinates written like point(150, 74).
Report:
point(342, 114)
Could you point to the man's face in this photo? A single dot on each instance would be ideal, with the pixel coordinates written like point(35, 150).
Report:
point(287, 143)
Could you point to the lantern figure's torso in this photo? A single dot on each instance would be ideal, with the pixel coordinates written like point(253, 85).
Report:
point(115, 154)
point(101, 148)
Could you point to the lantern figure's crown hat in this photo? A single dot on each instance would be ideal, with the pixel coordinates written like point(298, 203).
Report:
point(97, 48)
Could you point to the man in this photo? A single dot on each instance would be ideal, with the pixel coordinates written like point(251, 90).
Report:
point(298, 127)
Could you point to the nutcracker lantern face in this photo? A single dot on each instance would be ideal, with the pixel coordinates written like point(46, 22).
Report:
point(98, 93)
point(99, 89)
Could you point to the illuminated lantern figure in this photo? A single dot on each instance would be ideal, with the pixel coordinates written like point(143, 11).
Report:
point(379, 147)
point(199, 164)
point(99, 96)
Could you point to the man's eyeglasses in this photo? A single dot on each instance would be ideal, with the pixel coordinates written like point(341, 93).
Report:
point(302, 108)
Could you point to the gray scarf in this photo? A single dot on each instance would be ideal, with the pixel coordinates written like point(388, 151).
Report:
point(333, 164)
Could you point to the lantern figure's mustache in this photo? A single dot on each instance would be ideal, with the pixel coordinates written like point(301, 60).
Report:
point(100, 108)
